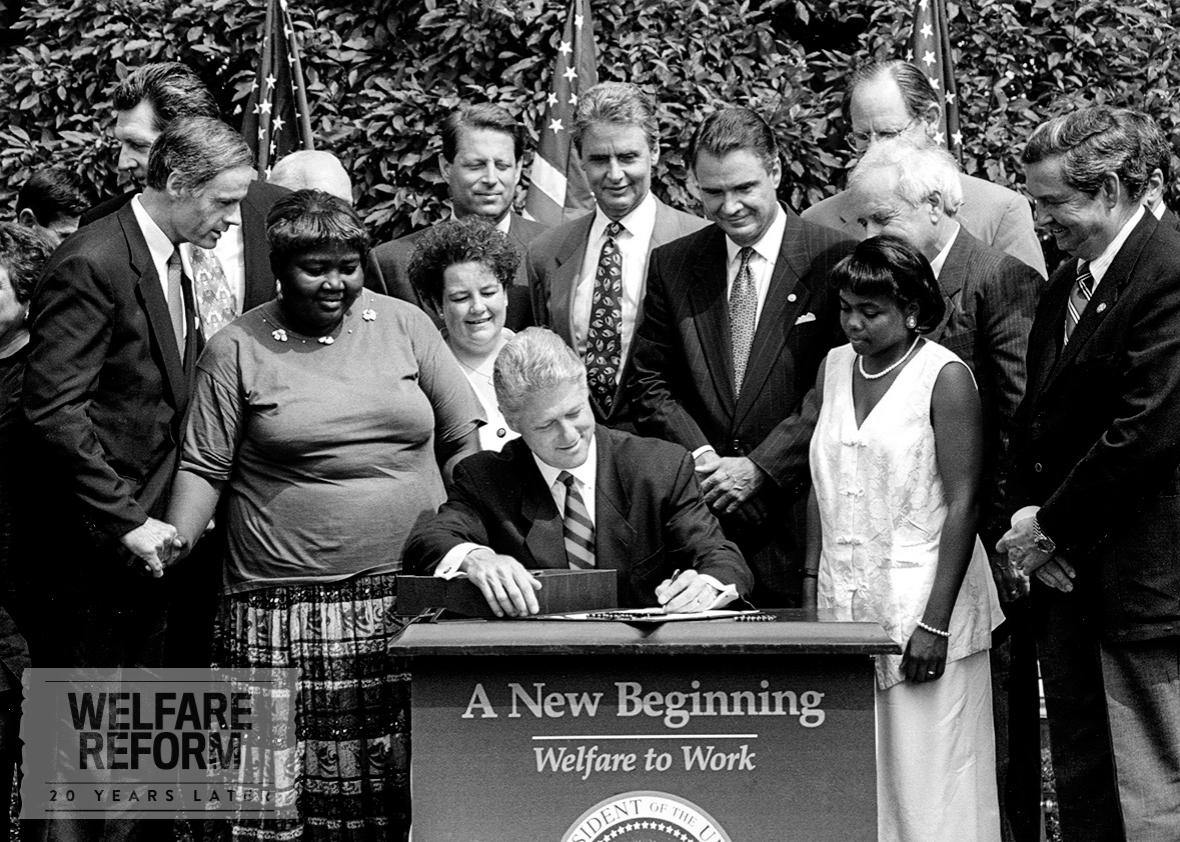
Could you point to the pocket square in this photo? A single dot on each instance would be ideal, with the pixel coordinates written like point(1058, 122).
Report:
point(805, 318)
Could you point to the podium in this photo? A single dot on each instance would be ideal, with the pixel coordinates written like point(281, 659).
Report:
point(710, 731)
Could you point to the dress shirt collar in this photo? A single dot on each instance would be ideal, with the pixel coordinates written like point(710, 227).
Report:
point(158, 243)
point(769, 246)
point(504, 223)
point(939, 259)
point(586, 473)
point(1101, 263)
point(19, 340)
point(639, 223)
point(1159, 210)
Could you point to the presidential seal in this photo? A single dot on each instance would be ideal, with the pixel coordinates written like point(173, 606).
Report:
point(645, 817)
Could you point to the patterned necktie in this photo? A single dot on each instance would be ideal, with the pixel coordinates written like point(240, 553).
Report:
point(578, 530)
point(604, 338)
point(216, 303)
point(743, 313)
point(176, 299)
point(1079, 297)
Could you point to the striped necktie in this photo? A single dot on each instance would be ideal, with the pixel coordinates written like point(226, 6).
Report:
point(578, 530)
point(743, 316)
point(1079, 297)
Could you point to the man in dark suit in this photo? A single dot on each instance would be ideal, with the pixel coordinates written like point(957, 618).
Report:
point(570, 494)
point(1097, 478)
point(895, 98)
point(587, 283)
point(238, 267)
point(1157, 152)
point(482, 156)
point(736, 320)
point(914, 192)
point(114, 340)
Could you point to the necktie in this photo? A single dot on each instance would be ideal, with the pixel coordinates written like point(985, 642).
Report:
point(216, 303)
point(743, 313)
point(604, 339)
point(578, 530)
point(176, 298)
point(1079, 297)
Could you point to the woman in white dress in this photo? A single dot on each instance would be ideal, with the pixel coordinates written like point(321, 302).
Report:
point(895, 464)
point(463, 268)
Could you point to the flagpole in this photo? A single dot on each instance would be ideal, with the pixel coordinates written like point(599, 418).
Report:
point(300, 87)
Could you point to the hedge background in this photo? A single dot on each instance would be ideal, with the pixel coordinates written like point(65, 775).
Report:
point(381, 73)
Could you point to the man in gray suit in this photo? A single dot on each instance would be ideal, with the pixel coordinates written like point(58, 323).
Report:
point(588, 277)
point(481, 164)
point(894, 98)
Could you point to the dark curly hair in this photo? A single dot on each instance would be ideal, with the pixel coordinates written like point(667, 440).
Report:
point(306, 220)
point(468, 240)
point(23, 252)
point(889, 267)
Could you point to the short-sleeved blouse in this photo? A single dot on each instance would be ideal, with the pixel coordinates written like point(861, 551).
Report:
point(327, 450)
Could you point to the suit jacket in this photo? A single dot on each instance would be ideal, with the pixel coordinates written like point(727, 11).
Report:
point(105, 387)
point(649, 518)
point(554, 262)
point(991, 299)
point(259, 279)
point(999, 217)
point(682, 376)
point(387, 272)
point(1098, 447)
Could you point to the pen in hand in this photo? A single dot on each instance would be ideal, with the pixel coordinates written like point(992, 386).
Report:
point(664, 586)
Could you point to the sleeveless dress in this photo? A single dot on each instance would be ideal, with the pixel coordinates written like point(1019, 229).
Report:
point(881, 510)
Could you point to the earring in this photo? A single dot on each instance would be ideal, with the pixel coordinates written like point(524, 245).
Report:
point(911, 322)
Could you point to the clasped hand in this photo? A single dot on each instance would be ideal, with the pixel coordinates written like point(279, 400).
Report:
point(1019, 543)
point(156, 543)
point(727, 482)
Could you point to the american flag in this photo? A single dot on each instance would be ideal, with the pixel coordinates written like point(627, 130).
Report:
point(276, 119)
point(930, 52)
point(557, 186)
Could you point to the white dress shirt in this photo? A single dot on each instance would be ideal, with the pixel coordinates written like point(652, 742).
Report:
point(634, 242)
point(159, 246)
point(761, 262)
point(940, 259)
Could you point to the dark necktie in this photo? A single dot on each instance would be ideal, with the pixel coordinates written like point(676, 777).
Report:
point(604, 338)
point(578, 530)
point(743, 316)
point(1079, 297)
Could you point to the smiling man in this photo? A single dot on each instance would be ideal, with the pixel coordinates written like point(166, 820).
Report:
point(1096, 475)
point(482, 150)
point(569, 494)
point(112, 355)
point(587, 277)
point(736, 320)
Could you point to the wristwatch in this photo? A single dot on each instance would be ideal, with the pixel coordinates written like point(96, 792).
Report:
point(1042, 541)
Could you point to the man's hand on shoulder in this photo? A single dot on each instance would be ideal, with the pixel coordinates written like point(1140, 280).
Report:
point(504, 582)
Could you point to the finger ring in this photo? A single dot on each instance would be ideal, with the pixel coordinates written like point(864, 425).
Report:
point(930, 672)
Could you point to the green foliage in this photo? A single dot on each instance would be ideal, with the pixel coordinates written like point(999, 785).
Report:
point(382, 75)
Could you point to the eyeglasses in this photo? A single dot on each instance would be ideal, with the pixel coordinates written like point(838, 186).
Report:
point(861, 140)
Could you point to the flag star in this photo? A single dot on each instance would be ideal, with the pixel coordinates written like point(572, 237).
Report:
point(552, 98)
point(934, 83)
point(268, 169)
point(288, 32)
point(949, 97)
point(909, 55)
point(283, 4)
point(257, 108)
point(922, 4)
point(266, 106)
point(270, 80)
point(291, 59)
point(565, 49)
point(578, 20)
point(939, 137)
point(261, 135)
point(570, 74)
point(555, 126)
point(957, 138)
point(254, 86)
point(927, 30)
point(573, 98)
point(279, 122)
point(928, 57)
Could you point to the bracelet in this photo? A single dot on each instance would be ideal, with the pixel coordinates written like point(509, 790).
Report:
point(933, 630)
point(811, 574)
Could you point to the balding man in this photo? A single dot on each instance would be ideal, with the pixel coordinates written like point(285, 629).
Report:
point(312, 169)
point(894, 98)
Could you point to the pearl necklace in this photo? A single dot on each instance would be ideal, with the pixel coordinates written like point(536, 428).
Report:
point(860, 363)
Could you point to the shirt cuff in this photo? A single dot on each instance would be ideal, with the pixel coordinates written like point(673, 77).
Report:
point(1024, 514)
point(702, 450)
point(448, 568)
point(726, 593)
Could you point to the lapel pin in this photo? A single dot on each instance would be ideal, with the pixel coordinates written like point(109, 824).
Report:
point(792, 297)
point(1102, 307)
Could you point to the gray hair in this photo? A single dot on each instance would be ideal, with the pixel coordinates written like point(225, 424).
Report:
point(312, 169)
point(533, 360)
point(620, 103)
point(917, 171)
point(196, 150)
point(1092, 143)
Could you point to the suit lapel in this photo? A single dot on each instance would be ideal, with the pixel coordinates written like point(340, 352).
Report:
point(544, 539)
point(710, 309)
point(151, 295)
point(786, 297)
point(953, 276)
point(567, 263)
point(613, 534)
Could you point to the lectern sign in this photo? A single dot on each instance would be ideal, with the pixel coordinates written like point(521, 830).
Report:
point(654, 816)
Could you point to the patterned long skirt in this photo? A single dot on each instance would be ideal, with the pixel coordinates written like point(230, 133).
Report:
point(351, 780)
